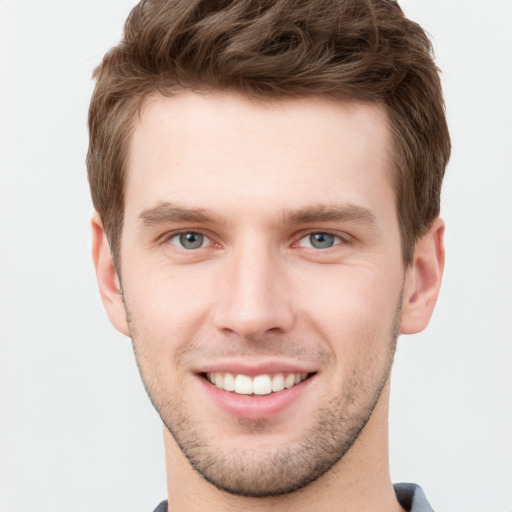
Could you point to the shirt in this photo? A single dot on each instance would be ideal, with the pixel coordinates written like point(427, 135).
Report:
point(410, 497)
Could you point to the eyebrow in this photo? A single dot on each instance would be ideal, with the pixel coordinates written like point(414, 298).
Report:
point(324, 213)
point(167, 212)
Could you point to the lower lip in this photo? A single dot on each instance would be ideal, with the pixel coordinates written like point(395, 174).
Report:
point(255, 407)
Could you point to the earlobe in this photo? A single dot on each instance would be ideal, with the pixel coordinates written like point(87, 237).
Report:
point(423, 280)
point(106, 274)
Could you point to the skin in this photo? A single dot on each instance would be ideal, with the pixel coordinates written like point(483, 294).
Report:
point(256, 180)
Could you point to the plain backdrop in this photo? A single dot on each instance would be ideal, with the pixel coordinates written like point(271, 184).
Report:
point(77, 433)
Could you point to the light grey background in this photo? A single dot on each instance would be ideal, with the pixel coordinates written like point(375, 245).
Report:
point(77, 433)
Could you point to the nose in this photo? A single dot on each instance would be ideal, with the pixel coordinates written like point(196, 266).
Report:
point(254, 299)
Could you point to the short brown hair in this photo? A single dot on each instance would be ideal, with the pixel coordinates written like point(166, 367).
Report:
point(359, 49)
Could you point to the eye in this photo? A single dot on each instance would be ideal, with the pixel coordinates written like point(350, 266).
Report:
point(320, 240)
point(189, 240)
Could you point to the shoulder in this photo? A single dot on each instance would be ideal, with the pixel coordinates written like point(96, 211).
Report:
point(162, 507)
point(412, 498)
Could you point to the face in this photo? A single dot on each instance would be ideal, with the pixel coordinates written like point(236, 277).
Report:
point(262, 278)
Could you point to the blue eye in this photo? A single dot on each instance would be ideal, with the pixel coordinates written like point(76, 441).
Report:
point(189, 240)
point(320, 240)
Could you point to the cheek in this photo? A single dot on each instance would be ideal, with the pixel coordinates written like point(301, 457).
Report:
point(167, 305)
point(353, 307)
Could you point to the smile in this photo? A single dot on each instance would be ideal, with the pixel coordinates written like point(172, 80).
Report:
point(258, 385)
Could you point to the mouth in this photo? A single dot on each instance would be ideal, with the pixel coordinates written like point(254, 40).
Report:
point(265, 384)
point(258, 393)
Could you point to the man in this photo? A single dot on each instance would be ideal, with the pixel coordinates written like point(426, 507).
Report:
point(266, 179)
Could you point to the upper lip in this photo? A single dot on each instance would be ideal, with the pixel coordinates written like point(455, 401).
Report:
point(254, 369)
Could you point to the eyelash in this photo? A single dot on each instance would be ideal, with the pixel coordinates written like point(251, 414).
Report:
point(338, 239)
point(168, 237)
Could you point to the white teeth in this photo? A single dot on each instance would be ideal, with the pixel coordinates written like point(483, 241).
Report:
point(243, 385)
point(259, 385)
point(289, 381)
point(262, 385)
point(229, 382)
point(219, 380)
point(278, 382)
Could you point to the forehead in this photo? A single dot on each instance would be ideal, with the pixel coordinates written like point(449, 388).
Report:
point(210, 149)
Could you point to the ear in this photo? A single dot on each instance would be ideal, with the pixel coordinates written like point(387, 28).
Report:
point(423, 280)
point(106, 274)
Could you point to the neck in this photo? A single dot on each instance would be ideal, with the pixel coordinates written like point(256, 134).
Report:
point(359, 481)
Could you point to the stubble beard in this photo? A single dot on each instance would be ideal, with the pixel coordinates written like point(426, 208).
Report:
point(258, 474)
